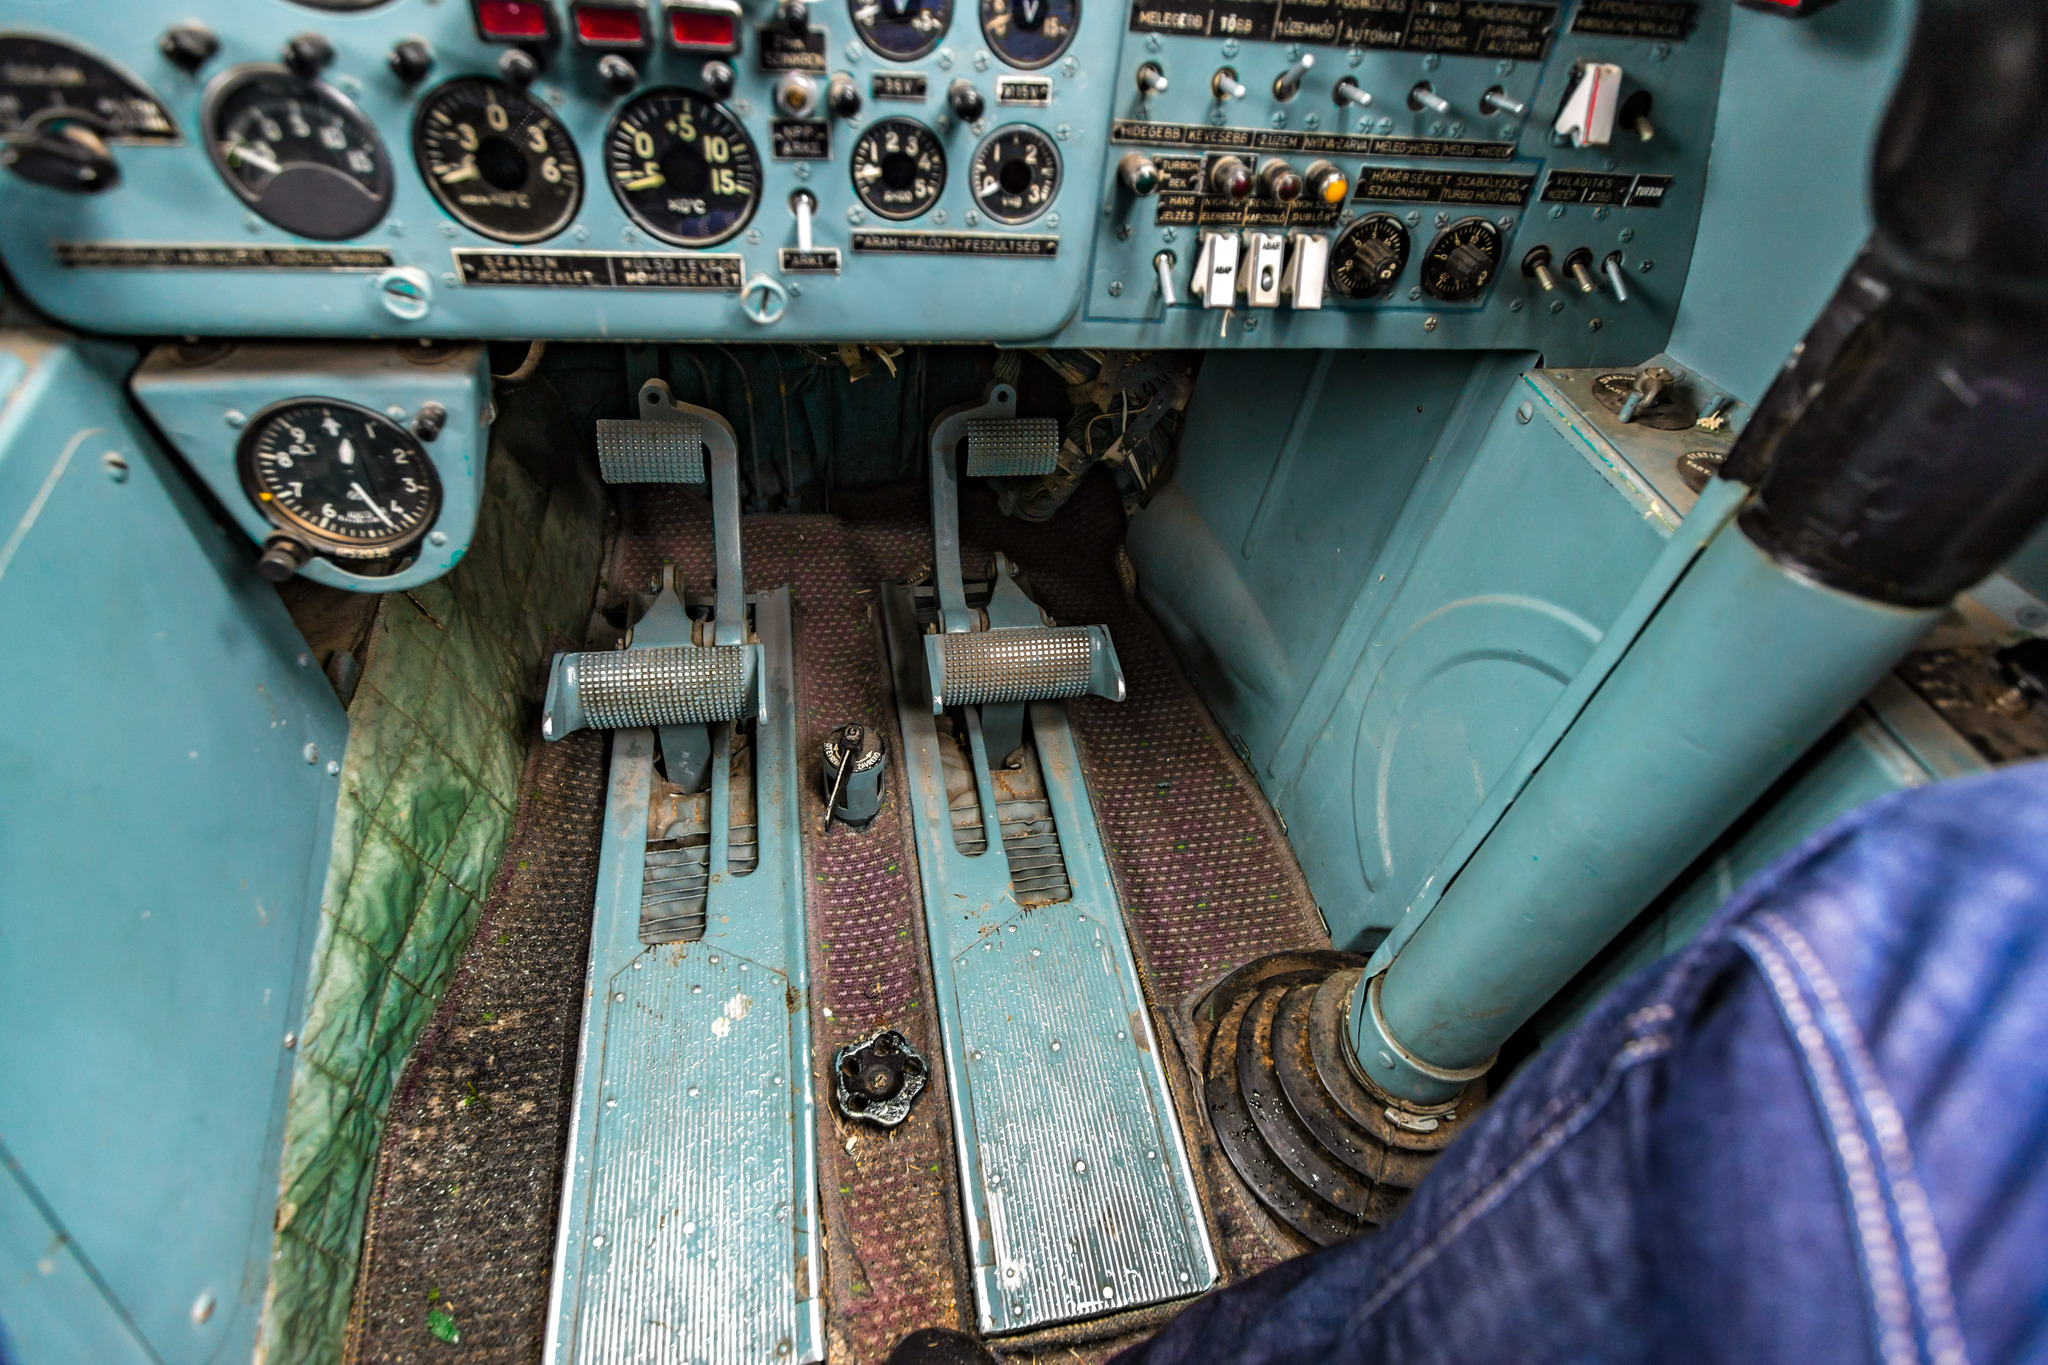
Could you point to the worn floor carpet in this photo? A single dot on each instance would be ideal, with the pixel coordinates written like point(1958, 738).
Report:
point(470, 1176)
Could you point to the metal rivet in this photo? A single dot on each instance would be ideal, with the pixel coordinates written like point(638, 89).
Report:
point(234, 417)
point(1386, 1060)
point(437, 537)
point(311, 753)
point(689, 1229)
point(1151, 1156)
point(1081, 1166)
point(620, 997)
point(202, 1308)
point(694, 1092)
point(1116, 288)
point(995, 1180)
point(598, 1240)
point(1524, 413)
point(291, 1040)
point(1055, 1045)
point(611, 1103)
point(333, 768)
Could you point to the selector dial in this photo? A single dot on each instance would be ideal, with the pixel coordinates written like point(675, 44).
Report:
point(298, 153)
point(1016, 174)
point(1461, 261)
point(1029, 33)
point(1369, 256)
point(899, 168)
point(901, 29)
point(683, 167)
point(497, 160)
point(342, 479)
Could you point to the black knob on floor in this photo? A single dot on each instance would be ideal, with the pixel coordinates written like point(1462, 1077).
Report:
point(189, 46)
point(966, 101)
point(307, 55)
point(411, 60)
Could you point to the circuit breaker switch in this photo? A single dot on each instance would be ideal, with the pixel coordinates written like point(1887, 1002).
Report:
point(1215, 281)
point(1162, 266)
point(1265, 256)
point(1308, 261)
point(1587, 118)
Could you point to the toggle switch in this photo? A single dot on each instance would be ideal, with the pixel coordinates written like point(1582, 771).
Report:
point(1265, 257)
point(1579, 265)
point(842, 96)
point(1225, 85)
point(1215, 280)
point(1350, 92)
point(1587, 118)
point(1162, 266)
point(1611, 267)
point(965, 100)
point(618, 74)
point(1423, 96)
point(188, 46)
point(717, 78)
point(1278, 180)
point(1229, 177)
point(1138, 173)
point(1288, 83)
point(1308, 262)
point(411, 59)
point(1635, 115)
point(1536, 266)
point(1325, 184)
point(518, 67)
point(804, 204)
point(1498, 101)
point(307, 55)
point(1151, 80)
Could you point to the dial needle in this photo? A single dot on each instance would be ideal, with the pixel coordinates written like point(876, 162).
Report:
point(239, 156)
point(652, 181)
point(355, 490)
point(466, 171)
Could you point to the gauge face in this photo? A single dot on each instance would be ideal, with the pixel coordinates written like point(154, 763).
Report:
point(1461, 261)
point(38, 75)
point(1029, 33)
point(298, 153)
point(1369, 256)
point(348, 481)
point(683, 167)
point(497, 160)
point(1016, 174)
point(899, 168)
point(902, 29)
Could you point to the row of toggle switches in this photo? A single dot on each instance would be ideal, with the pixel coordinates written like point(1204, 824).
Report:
point(1257, 268)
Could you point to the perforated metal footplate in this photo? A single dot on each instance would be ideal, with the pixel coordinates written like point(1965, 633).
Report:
point(666, 451)
point(1085, 1206)
point(1074, 1178)
point(680, 685)
point(991, 666)
point(689, 1225)
point(1011, 448)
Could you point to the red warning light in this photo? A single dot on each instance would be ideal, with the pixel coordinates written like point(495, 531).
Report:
point(610, 26)
point(513, 21)
point(704, 27)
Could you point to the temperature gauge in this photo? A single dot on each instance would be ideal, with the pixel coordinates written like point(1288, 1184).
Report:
point(344, 480)
point(683, 167)
point(298, 153)
point(497, 160)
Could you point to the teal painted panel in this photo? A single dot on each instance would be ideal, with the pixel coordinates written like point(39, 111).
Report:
point(51, 1307)
point(165, 807)
point(1786, 202)
point(1520, 574)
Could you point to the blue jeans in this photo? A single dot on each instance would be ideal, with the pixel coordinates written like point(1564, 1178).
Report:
point(1818, 1134)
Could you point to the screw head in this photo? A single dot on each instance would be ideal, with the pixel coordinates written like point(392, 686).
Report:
point(1524, 413)
point(1594, 325)
point(311, 753)
point(1429, 324)
point(234, 417)
point(1116, 287)
point(116, 467)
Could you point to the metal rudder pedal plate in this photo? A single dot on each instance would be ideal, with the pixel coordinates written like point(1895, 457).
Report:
point(689, 1230)
point(1076, 1185)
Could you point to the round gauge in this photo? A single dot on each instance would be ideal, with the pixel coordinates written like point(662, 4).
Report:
point(347, 481)
point(683, 167)
point(298, 153)
point(40, 75)
point(497, 161)
point(899, 168)
point(1029, 33)
point(1016, 174)
point(1368, 257)
point(1461, 260)
point(902, 29)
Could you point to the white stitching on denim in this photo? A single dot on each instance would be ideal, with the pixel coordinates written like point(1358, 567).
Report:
point(1637, 1050)
point(1879, 1250)
point(1924, 1250)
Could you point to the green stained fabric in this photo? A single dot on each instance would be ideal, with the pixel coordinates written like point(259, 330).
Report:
point(438, 733)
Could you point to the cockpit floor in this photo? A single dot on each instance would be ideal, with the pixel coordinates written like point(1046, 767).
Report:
point(468, 1183)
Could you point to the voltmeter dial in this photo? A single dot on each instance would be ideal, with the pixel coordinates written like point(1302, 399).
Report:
point(1016, 174)
point(1461, 261)
point(344, 480)
point(298, 153)
point(683, 167)
point(1368, 257)
point(497, 160)
point(899, 168)
point(1029, 33)
point(902, 29)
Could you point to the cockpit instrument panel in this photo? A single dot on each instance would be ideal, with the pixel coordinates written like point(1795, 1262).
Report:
point(1141, 173)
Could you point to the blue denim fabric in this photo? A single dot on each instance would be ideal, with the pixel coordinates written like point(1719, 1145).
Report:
point(1818, 1134)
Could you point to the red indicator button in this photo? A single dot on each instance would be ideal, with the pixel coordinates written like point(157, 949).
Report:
point(703, 30)
point(610, 26)
point(511, 21)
